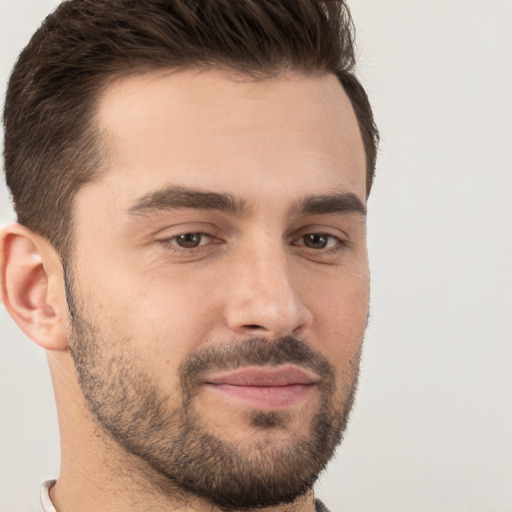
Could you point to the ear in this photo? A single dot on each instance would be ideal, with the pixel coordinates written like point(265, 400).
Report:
point(32, 286)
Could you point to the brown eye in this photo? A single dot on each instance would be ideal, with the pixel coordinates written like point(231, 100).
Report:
point(316, 240)
point(189, 240)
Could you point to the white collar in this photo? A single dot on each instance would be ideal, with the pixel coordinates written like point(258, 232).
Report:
point(46, 502)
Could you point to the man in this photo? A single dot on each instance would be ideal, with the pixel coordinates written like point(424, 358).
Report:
point(190, 180)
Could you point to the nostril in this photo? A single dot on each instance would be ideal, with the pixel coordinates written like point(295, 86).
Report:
point(253, 326)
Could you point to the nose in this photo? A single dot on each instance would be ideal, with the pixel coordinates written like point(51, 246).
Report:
point(262, 299)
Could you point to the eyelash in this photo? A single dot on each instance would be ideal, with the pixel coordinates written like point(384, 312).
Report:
point(339, 244)
point(169, 244)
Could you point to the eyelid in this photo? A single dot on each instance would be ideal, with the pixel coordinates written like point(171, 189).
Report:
point(328, 235)
point(184, 228)
point(203, 235)
point(331, 250)
point(171, 241)
point(166, 237)
point(321, 229)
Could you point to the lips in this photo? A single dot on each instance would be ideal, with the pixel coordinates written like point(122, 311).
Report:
point(264, 387)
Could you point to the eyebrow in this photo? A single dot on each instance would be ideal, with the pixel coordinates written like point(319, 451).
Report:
point(172, 197)
point(175, 197)
point(330, 203)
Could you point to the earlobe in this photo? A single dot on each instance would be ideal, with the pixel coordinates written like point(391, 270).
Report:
point(27, 271)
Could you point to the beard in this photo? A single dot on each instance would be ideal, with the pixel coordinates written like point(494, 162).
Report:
point(177, 446)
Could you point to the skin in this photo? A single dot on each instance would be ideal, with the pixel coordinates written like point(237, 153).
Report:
point(269, 144)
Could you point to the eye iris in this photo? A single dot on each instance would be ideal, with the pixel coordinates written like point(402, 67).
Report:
point(316, 241)
point(189, 240)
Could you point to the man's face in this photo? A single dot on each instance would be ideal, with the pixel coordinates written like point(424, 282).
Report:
point(219, 280)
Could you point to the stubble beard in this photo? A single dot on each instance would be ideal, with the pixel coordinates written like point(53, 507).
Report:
point(178, 447)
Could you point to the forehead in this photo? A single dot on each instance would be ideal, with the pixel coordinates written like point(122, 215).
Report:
point(204, 128)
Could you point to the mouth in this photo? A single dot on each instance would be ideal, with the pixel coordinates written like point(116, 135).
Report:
point(265, 387)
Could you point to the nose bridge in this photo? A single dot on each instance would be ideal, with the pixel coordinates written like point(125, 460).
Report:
point(264, 299)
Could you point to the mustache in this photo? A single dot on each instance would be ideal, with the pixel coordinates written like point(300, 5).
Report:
point(254, 351)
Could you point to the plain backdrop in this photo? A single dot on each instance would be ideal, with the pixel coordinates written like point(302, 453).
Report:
point(432, 426)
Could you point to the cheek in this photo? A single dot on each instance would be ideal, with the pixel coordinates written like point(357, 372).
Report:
point(170, 317)
point(340, 317)
point(156, 322)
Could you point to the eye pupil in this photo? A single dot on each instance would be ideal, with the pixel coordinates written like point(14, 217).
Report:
point(316, 241)
point(189, 240)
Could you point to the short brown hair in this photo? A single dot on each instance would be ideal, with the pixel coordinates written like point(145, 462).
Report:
point(52, 146)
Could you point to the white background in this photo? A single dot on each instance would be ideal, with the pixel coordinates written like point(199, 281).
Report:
point(432, 427)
